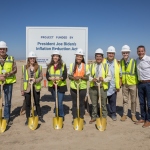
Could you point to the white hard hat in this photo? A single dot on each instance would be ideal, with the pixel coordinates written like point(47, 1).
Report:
point(79, 52)
point(56, 52)
point(125, 48)
point(100, 51)
point(32, 54)
point(111, 49)
point(3, 44)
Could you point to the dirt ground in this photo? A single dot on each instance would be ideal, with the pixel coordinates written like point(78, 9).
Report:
point(118, 135)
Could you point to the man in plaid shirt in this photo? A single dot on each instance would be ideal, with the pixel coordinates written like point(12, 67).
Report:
point(8, 69)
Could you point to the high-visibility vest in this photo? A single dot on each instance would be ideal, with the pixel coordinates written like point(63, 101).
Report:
point(26, 78)
point(83, 84)
point(104, 74)
point(57, 73)
point(128, 74)
point(117, 71)
point(8, 65)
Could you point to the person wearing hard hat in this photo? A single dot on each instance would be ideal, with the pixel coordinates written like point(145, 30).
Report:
point(99, 71)
point(32, 70)
point(129, 83)
point(115, 83)
point(78, 71)
point(57, 71)
point(143, 73)
point(8, 69)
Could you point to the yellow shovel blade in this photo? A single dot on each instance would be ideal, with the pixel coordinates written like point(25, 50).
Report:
point(33, 122)
point(57, 122)
point(78, 124)
point(3, 125)
point(101, 122)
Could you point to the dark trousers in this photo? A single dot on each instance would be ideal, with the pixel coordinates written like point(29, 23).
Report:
point(82, 94)
point(143, 92)
point(36, 96)
point(112, 104)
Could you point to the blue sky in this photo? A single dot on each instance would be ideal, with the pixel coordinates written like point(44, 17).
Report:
point(110, 22)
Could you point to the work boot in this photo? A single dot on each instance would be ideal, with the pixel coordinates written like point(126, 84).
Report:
point(114, 118)
point(26, 123)
point(41, 119)
point(9, 122)
point(134, 118)
point(146, 124)
point(91, 121)
point(124, 117)
point(140, 121)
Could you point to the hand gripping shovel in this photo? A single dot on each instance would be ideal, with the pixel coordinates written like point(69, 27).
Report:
point(78, 123)
point(3, 122)
point(33, 121)
point(57, 121)
point(100, 122)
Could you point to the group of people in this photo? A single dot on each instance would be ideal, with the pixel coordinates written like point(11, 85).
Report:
point(128, 74)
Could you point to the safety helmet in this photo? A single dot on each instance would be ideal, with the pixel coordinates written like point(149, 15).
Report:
point(99, 51)
point(111, 49)
point(56, 52)
point(79, 52)
point(3, 44)
point(32, 54)
point(125, 48)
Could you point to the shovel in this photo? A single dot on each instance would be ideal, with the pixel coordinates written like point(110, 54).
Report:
point(78, 123)
point(33, 121)
point(3, 122)
point(100, 122)
point(57, 121)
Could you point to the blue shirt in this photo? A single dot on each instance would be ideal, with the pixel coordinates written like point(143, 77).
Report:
point(111, 84)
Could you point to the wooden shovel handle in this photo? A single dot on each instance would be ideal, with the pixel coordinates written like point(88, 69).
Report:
point(30, 80)
point(78, 83)
point(56, 83)
point(2, 83)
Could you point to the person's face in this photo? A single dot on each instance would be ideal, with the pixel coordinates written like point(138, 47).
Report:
point(125, 55)
point(141, 52)
point(110, 56)
point(32, 60)
point(55, 58)
point(79, 58)
point(99, 58)
point(3, 51)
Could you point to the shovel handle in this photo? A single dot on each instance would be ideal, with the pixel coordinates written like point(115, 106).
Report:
point(78, 83)
point(2, 83)
point(55, 83)
point(30, 80)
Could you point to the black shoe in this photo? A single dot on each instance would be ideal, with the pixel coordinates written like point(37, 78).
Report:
point(84, 122)
point(9, 122)
point(41, 119)
point(26, 123)
point(72, 122)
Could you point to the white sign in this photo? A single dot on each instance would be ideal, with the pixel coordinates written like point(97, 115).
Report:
point(44, 40)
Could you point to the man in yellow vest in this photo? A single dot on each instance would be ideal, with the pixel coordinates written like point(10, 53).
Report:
point(99, 71)
point(8, 70)
point(115, 83)
point(129, 83)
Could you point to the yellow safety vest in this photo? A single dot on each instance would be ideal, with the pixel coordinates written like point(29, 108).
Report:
point(57, 73)
point(83, 84)
point(26, 78)
point(128, 74)
point(104, 74)
point(117, 71)
point(8, 65)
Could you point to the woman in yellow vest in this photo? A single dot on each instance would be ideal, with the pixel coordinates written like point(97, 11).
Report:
point(32, 70)
point(77, 71)
point(57, 71)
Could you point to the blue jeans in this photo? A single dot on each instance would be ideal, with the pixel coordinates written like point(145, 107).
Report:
point(7, 94)
point(60, 103)
point(143, 92)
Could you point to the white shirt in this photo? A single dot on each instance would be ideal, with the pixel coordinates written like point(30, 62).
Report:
point(143, 68)
point(79, 69)
point(108, 77)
